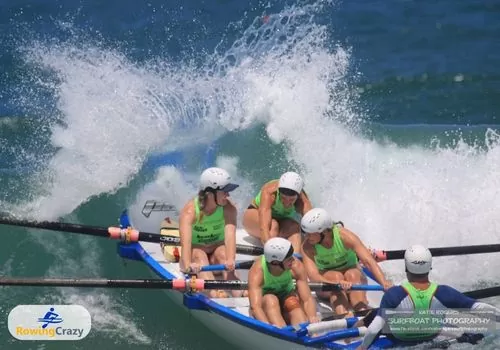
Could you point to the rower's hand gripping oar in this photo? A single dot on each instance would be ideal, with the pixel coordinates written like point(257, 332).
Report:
point(238, 265)
point(126, 235)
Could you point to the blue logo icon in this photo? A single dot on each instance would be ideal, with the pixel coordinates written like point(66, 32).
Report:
point(50, 317)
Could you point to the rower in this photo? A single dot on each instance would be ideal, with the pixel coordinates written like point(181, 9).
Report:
point(273, 297)
point(419, 293)
point(274, 211)
point(207, 227)
point(330, 254)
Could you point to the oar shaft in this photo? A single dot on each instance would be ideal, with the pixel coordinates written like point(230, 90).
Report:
point(126, 235)
point(93, 283)
point(484, 293)
point(132, 235)
point(57, 226)
point(327, 287)
point(442, 251)
point(180, 284)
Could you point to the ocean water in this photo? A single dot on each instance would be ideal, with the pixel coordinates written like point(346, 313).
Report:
point(390, 109)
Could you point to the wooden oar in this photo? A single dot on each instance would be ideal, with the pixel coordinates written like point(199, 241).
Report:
point(127, 235)
point(179, 284)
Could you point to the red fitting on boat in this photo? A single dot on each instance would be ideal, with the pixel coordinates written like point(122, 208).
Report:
point(200, 284)
point(126, 235)
point(179, 283)
point(114, 232)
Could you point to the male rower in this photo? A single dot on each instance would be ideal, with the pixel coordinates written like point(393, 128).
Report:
point(207, 228)
point(330, 254)
point(419, 294)
point(274, 298)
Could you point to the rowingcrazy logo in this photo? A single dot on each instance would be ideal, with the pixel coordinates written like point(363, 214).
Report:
point(49, 322)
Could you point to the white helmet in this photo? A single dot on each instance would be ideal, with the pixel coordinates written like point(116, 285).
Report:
point(217, 179)
point(277, 249)
point(292, 181)
point(316, 220)
point(418, 260)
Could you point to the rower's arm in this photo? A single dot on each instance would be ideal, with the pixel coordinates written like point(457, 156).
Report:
point(265, 214)
point(487, 307)
point(255, 280)
point(353, 242)
point(185, 231)
point(304, 291)
point(390, 300)
point(230, 214)
point(375, 327)
point(304, 204)
point(453, 299)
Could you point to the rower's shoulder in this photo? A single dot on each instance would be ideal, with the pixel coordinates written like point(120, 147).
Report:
point(255, 273)
point(230, 207)
point(188, 208)
point(393, 297)
point(270, 186)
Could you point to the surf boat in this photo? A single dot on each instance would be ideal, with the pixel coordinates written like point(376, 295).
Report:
point(229, 317)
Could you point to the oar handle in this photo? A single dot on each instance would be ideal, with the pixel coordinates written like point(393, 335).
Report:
point(218, 267)
point(240, 265)
point(328, 287)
